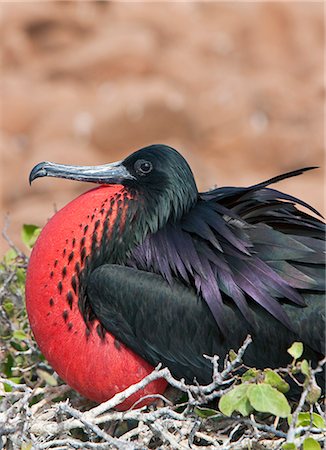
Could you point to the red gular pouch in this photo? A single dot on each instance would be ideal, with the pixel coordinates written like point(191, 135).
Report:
point(85, 356)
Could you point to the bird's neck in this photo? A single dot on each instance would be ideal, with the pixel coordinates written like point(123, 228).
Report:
point(126, 222)
point(121, 223)
point(156, 208)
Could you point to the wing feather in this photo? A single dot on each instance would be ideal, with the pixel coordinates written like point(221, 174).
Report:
point(242, 245)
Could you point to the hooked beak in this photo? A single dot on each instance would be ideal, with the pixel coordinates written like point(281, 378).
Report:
point(114, 173)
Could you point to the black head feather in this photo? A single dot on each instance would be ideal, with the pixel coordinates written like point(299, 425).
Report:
point(165, 181)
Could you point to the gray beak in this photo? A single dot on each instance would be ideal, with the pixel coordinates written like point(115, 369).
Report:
point(115, 173)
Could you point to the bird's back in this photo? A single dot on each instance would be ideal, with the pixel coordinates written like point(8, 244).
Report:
point(246, 246)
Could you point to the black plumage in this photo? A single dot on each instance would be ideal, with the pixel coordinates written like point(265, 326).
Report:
point(193, 273)
point(169, 324)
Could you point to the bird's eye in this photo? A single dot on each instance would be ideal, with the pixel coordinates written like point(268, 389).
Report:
point(143, 167)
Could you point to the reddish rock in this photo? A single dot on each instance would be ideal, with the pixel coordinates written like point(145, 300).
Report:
point(238, 88)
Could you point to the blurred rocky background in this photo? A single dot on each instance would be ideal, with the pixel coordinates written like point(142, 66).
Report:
point(236, 87)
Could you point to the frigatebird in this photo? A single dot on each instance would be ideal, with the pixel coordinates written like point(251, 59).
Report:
point(145, 269)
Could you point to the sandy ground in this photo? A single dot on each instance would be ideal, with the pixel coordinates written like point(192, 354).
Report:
point(237, 87)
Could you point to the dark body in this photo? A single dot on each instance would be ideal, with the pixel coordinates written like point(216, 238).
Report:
point(173, 326)
point(187, 273)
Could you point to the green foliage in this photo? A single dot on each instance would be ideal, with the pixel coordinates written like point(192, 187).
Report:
point(296, 350)
point(8, 307)
point(19, 335)
point(8, 387)
point(311, 444)
point(313, 394)
point(9, 258)
point(265, 398)
point(251, 374)
point(27, 446)
point(245, 398)
point(47, 377)
point(20, 358)
point(306, 419)
point(236, 400)
point(275, 380)
point(289, 446)
point(205, 413)
point(29, 235)
point(305, 369)
point(263, 390)
point(232, 355)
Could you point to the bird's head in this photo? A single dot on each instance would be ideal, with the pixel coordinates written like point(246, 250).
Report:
point(158, 174)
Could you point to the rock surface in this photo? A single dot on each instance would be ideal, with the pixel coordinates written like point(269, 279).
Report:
point(238, 88)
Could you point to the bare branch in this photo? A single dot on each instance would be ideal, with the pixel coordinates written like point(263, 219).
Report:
point(10, 242)
point(118, 443)
point(312, 381)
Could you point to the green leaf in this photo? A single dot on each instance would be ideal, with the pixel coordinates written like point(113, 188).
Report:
point(305, 418)
point(276, 381)
point(311, 444)
point(205, 412)
point(296, 350)
point(8, 306)
point(265, 398)
point(250, 374)
point(19, 334)
point(15, 380)
point(305, 369)
point(21, 277)
point(8, 364)
point(18, 346)
point(232, 355)
point(10, 257)
point(313, 394)
point(29, 235)
point(289, 446)
point(236, 400)
point(47, 377)
point(26, 446)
